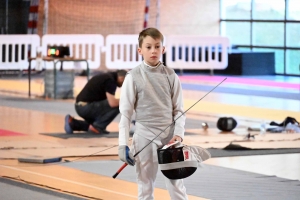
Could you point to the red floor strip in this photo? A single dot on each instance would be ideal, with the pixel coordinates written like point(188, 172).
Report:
point(10, 133)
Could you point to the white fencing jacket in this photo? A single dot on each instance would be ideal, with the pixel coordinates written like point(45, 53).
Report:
point(155, 94)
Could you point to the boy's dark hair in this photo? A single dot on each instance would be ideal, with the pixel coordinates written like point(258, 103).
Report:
point(152, 32)
point(121, 72)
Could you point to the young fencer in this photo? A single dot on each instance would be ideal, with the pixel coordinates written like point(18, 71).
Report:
point(153, 91)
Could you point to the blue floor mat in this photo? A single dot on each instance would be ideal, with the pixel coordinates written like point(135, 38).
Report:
point(250, 92)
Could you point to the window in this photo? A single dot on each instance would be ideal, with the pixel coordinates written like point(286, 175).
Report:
point(293, 11)
point(268, 34)
point(293, 62)
point(268, 9)
point(236, 9)
point(265, 25)
point(293, 34)
point(238, 32)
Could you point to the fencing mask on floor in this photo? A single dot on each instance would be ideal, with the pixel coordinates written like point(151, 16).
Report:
point(226, 123)
point(178, 161)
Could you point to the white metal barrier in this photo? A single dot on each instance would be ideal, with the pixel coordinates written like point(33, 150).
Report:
point(197, 52)
point(15, 50)
point(82, 46)
point(121, 51)
point(182, 52)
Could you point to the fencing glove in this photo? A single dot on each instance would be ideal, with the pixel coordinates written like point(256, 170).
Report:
point(125, 155)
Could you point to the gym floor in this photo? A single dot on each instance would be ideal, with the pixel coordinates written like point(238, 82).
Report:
point(32, 128)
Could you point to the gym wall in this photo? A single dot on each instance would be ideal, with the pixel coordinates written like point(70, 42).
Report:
point(189, 17)
point(176, 17)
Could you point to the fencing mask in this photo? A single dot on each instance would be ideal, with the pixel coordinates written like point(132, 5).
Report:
point(178, 161)
point(226, 123)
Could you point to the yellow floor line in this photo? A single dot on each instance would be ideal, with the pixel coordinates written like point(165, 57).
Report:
point(73, 182)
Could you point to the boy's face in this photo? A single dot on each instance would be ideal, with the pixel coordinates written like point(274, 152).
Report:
point(151, 50)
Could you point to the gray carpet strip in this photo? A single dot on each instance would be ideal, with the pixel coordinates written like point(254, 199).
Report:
point(210, 182)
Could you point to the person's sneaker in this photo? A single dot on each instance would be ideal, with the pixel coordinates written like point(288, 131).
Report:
point(105, 131)
point(68, 128)
point(92, 129)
